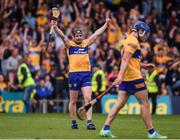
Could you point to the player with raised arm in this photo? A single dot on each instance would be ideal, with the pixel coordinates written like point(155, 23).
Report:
point(130, 80)
point(79, 69)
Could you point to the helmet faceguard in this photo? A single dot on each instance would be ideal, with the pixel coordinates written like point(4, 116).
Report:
point(142, 30)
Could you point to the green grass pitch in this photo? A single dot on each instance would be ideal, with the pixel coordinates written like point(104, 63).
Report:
point(57, 126)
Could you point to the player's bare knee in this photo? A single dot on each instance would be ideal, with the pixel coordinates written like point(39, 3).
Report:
point(145, 103)
point(72, 102)
point(120, 105)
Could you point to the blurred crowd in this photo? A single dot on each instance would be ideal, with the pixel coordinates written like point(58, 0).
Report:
point(24, 31)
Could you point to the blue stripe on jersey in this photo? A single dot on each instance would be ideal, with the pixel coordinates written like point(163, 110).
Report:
point(77, 50)
point(34, 52)
point(137, 54)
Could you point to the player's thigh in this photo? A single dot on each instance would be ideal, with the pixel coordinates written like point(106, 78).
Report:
point(87, 92)
point(142, 96)
point(122, 97)
point(73, 95)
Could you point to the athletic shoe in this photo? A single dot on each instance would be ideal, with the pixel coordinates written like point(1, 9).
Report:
point(91, 126)
point(106, 133)
point(156, 135)
point(74, 126)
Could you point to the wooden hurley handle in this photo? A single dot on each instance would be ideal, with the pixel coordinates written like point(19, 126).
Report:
point(104, 93)
point(86, 107)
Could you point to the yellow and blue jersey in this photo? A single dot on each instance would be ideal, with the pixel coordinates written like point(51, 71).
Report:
point(133, 80)
point(78, 56)
point(79, 65)
point(34, 55)
point(133, 70)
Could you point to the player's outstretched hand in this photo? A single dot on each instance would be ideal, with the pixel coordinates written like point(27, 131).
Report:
point(117, 81)
point(108, 20)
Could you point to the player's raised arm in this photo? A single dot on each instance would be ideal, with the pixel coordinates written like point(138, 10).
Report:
point(99, 31)
point(59, 32)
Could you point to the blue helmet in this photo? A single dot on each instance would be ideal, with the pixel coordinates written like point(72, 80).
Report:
point(141, 25)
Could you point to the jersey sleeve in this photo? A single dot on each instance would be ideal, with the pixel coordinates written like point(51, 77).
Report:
point(68, 44)
point(86, 43)
point(131, 45)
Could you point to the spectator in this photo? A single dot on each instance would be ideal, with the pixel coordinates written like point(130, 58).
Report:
point(29, 19)
point(34, 54)
point(34, 49)
point(66, 12)
point(147, 6)
point(5, 54)
point(48, 83)
point(25, 81)
point(3, 84)
point(47, 57)
point(42, 92)
point(42, 14)
point(158, 4)
point(61, 80)
point(153, 88)
point(98, 84)
point(12, 65)
point(173, 78)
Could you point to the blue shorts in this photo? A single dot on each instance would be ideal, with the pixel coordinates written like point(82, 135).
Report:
point(132, 87)
point(77, 80)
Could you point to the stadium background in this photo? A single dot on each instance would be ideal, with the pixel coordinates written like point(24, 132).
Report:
point(24, 24)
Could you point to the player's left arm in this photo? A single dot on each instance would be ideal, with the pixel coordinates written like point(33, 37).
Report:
point(99, 31)
point(127, 54)
point(124, 63)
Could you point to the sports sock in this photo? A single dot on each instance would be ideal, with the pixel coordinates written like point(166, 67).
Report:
point(106, 127)
point(89, 122)
point(74, 122)
point(151, 131)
